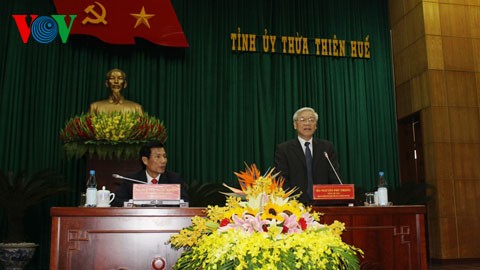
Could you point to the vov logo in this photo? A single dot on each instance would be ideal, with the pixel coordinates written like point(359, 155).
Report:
point(44, 29)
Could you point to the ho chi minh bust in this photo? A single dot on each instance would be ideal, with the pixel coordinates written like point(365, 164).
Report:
point(116, 81)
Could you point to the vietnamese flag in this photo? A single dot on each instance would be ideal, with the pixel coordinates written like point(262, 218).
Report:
point(120, 21)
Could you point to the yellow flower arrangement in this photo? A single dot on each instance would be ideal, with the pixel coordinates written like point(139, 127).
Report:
point(119, 134)
point(262, 226)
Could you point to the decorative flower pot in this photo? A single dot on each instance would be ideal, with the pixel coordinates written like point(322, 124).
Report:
point(15, 256)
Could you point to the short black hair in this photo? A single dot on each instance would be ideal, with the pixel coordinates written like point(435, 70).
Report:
point(146, 150)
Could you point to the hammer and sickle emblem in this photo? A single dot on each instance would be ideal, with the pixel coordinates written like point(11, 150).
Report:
point(99, 18)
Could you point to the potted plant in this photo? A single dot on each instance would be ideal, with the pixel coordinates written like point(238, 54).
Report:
point(17, 194)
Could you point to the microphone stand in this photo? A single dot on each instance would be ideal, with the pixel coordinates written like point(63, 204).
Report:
point(333, 168)
point(126, 178)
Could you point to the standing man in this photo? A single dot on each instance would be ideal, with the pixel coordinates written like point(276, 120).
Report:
point(154, 161)
point(302, 161)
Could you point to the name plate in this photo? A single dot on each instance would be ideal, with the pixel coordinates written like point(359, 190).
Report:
point(161, 192)
point(334, 192)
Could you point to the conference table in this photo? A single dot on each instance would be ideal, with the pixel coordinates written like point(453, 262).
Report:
point(136, 238)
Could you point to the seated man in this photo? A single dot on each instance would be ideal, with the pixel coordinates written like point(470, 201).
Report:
point(116, 81)
point(154, 161)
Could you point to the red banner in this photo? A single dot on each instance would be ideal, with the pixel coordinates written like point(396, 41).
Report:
point(120, 21)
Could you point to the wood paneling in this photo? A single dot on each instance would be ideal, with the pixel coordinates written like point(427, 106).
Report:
point(420, 91)
point(476, 55)
point(134, 238)
point(473, 20)
point(399, 32)
point(466, 160)
point(453, 20)
point(447, 201)
point(431, 15)
point(434, 47)
point(414, 23)
point(461, 89)
point(437, 88)
point(457, 53)
point(468, 235)
point(396, 11)
point(450, 115)
point(403, 100)
point(464, 124)
point(477, 81)
point(467, 204)
point(436, 121)
point(418, 58)
point(445, 241)
point(442, 161)
point(411, 4)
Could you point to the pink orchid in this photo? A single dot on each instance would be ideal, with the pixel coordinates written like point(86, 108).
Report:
point(310, 221)
point(246, 223)
point(256, 223)
point(291, 223)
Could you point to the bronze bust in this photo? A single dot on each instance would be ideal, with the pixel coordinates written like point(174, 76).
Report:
point(116, 81)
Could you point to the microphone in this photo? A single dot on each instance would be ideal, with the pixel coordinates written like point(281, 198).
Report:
point(126, 178)
point(333, 168)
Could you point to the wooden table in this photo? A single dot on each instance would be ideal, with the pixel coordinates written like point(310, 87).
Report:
point(392, 238)
point(135, 238)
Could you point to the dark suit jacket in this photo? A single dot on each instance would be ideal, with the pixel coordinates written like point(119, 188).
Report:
point(290, 162)
point(125, 190)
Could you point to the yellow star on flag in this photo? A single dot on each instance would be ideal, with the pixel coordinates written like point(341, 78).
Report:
point(142, 18)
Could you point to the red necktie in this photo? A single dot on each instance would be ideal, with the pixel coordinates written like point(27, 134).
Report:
point(154, 181)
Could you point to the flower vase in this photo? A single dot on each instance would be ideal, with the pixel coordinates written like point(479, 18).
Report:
point(16, 256)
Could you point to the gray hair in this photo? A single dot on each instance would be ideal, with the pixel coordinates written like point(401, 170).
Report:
point(295, 115)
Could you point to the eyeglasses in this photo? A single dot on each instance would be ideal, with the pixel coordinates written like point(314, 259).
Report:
point(310, 120)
